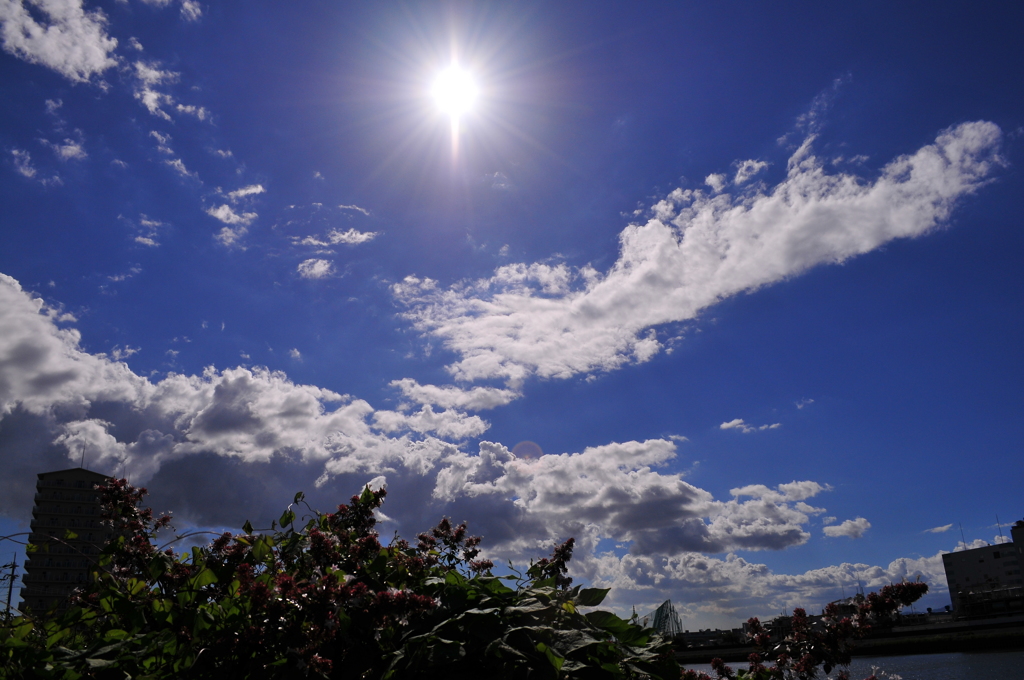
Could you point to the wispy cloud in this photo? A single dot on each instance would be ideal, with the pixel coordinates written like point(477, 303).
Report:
point(250, 190)
point(23, 166)
point(739, 424)
point(697, 249)
point(68, 151)
point(939, 530)
point(355, 208)
point(179, 167)
point(350, 237)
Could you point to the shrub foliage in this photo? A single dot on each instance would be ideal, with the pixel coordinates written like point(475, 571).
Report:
point(325, 599)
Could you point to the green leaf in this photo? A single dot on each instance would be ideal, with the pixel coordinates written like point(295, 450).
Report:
point(553, 658)
point(159, 565)
point(298, 497)
point(261, 548)
point(204, 578)
point(287, 518)
point(70, 535)
point(116, 634)
point(591, 597)
point(247, 527)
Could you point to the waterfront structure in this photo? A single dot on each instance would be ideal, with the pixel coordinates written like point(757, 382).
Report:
point(664, 619)
point(988, 581)
point(65, 501)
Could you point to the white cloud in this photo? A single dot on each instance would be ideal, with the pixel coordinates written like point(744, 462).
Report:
point(69, 150)
point(148, 76)
point(716, 182)
point(939, 530)
point(449, 424)
point(23, 163)
point(230, 236)
point(119, 354)
point(147, 230)
point(851, 528)
point(198, 111)
point(449, 396)
point(698, 249)
point(739, 424)
point(149, 73)
point(254, 429)
point(803, 403)
point(23, 166)
point(334, 237)
point(315, 268)
point(747, 169)
point(191, 10)
point(225, 214)
point(354, 207)
point(71, 41)
point(179, 167)
point(736, 588)
point(250, 190)
point(223, 153)
point(295, 354)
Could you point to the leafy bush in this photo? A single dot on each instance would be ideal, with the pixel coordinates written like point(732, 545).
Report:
point(323, 600)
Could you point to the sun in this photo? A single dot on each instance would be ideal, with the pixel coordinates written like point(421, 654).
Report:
point(455, 92)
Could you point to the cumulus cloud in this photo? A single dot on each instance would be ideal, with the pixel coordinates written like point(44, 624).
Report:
point(450, 396)
point(851, 528)
point(233, 443)
point(615, 492)
point(70, 40)
point(227, 215)
point(739, 424)
point(739, 588)
point(745, 170)
point(315, 269)
point(551, 320)
point(716, 182)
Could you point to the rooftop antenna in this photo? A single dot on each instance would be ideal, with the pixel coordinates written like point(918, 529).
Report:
point(962, 534)
point(81, 463)
point(1000, 527)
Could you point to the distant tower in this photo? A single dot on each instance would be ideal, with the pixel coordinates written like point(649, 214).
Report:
point(66, 500)
point(665, 620)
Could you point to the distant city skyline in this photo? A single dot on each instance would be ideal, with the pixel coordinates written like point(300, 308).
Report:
point(731, 294)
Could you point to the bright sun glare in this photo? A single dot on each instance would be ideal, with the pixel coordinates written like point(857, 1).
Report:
point(454, 91)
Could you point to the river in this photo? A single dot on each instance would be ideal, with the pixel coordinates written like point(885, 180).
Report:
point(952, 666)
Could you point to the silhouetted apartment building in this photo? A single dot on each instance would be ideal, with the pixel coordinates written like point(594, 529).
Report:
point(988, 581)
point(65, 500)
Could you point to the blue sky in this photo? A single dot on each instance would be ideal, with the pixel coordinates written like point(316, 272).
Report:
point(731, 293)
